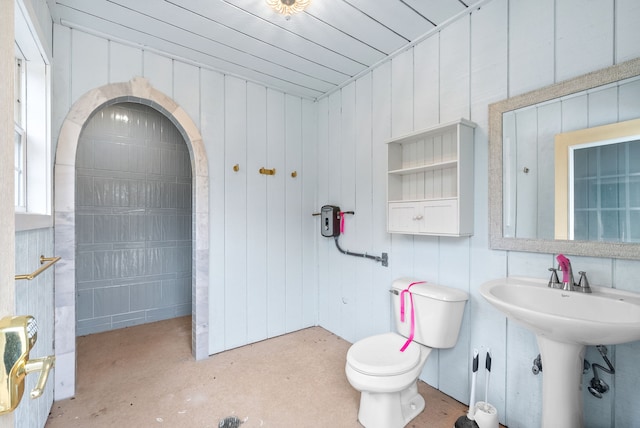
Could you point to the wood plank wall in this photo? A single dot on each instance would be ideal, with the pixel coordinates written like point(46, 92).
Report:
point(263, 259)
point(505, 48)
point(262, 233)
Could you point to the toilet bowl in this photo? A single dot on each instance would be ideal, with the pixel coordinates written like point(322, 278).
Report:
point(387, 379)
point(385, 367)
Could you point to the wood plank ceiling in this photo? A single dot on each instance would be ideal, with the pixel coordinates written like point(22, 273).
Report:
point(310, 54)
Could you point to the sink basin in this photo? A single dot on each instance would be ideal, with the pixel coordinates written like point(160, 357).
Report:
point(565, 322)
point(605, 317)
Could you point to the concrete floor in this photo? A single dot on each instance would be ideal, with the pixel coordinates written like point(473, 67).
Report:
point(145, 376)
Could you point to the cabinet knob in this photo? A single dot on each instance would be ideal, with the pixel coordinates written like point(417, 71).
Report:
point(418, 217)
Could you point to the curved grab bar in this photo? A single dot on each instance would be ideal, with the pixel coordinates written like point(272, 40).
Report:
point(43, 259)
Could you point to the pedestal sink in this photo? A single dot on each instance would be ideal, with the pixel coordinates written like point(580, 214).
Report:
point(564, 322)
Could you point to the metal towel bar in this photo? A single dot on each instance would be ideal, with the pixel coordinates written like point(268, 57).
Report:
point(43, 259)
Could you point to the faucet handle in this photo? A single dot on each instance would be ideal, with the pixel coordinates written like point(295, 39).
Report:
point(583, 283)
point(554, 282)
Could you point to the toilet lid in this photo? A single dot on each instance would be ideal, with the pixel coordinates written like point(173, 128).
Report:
point(380, 355)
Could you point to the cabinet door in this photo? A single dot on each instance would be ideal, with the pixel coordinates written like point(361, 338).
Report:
point(403, 218)
point(439, 217)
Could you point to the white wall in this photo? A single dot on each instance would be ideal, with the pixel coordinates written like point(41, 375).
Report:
point(506, 48)
point(262, 249)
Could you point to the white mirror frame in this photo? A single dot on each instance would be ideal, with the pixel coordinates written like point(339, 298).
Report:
point(497, 240)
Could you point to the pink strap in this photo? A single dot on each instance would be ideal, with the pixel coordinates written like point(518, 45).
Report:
point(413, 318)
point(342, 222)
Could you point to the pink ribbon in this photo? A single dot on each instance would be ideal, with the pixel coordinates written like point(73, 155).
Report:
point(412, 330)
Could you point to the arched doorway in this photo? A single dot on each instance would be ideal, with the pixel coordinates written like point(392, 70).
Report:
point(138, 90)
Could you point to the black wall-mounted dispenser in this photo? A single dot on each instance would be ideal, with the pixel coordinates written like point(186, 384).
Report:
point(330, 221)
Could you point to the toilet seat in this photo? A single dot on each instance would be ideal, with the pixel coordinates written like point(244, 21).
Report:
point(380, 355)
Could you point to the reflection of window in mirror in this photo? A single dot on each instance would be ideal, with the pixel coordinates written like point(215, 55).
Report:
point(598, 183)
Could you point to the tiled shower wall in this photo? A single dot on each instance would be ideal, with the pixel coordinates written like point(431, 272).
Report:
point(133, 220)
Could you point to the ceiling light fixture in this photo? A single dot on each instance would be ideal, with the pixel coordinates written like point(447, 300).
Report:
point(288, 7)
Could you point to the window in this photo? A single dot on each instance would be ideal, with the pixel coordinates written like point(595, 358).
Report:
point(19, 137)
point(19, 168)
point(32, 134)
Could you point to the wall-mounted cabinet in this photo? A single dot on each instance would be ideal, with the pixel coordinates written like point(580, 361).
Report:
point(430, 181)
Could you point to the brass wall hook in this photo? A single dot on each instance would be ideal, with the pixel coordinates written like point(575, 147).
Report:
point(236, 167)
point(266, 171)
point(294, 174)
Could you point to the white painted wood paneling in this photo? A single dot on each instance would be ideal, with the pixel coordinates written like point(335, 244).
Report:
point(437, 10)
point(402, 19)
point(584, 37)
point(454, 70)
point(333, 179)
point(426, 109)
point(129, 62)
point(627, 16)
point(221, 39)
point(310, 30)
point(276, 204)
point(381, 242)
point(363, 219)
point(348, 184)
point(308, 174)
point(531, 45)
point(324, 295)
point(293, 213)
point(257, 230)
point(158, 70)
point(212, 93)
point(531, 58)
point(402, 91)
point(235, 217)
point(61, 82)
point(186, 84)
point(89, 63)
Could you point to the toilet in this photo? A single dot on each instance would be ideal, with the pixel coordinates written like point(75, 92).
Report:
point(386, 376)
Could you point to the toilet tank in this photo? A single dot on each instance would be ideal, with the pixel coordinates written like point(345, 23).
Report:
point(438, 312)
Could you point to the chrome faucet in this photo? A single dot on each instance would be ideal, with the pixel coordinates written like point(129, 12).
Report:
point(554, 282)
point(583, 283)
point(568, 283)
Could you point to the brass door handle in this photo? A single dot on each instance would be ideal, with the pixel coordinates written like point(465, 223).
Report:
point(44, 366)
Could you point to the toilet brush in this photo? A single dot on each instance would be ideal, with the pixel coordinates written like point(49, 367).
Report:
point(486, 415)
point(467, 421)
point(487, 366)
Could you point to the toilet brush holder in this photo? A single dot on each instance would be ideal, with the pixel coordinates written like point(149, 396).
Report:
point(486, 415)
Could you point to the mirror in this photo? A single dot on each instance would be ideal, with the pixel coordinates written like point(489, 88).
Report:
point(522, 131)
